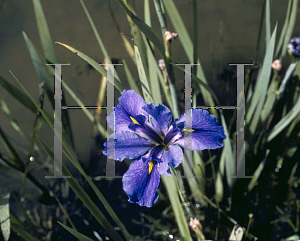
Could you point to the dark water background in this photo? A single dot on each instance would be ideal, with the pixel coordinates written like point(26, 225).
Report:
point(228, 34)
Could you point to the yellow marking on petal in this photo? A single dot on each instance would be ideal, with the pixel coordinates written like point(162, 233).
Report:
point(133, 120)
point(188, 130)
point(150, 166)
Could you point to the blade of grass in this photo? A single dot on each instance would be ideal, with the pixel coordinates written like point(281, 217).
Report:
point(150, 34)
point(130, 79)
point(21, 97)
point(286, 120)
point(283, 31)
point(44, 32)
point(28, 217)
point(262, 15)
point(93, 63)
point(188, 48)
point(195, 34)
point(230, 162)
point(160, 15)
point(153, 78)
point(12, 120)
point(48, 50)
point(137, 37)
point(99, 40)
point(127, 44)
point(33, 137)
point(4, 215)
point(75, 233)
point(19, 229)
point(268, 23)
point(39, 65)
point(169, 182)
point(75, 162)
point(85, 198)
point(65, 212)
point(260, 91)
point(144, 82)
point(290, 27)
point(203, 84)
point(86, 111)
point(287, 76)
point(43, 76)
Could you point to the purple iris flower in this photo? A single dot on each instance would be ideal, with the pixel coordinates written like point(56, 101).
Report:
point(146, 133)
point(294, 47)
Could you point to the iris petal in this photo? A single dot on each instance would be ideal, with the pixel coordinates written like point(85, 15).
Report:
point(172, 156)
point(206, 132)
point(126, 145)
point(161, 117)
point(140, 186)
point(130, 106)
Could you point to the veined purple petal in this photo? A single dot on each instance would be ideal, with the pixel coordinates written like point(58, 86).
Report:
point(172, 156)
point(161, 117)
point(145, 129)
point(130, 105)
point(126, 145)
point(140, 186)
point(197, 119)
point(202, 131)
point(174, 134)
point(202, 139)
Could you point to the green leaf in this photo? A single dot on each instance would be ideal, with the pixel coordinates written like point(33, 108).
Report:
point(19, 229)
point(93, 63)
point(150, 34)
point(287, 76)
point(4, 215)
point(44, 32)
point(39, 65)
point(21, 97)
point(260, 91)
point(230, 162)
point(86, 111)
point(169, 182)
point(75, 162)
point(268, 22)
point(11, 119)
point(75, 233)
point(144, 82)
point(290, 27)
point(130, 79)
point(85, 198)
point(285, 121)
point(99, 40)
point(187, 45)
point(283, 32)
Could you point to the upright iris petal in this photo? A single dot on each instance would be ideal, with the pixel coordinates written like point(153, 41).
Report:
point(130, 106)
point(144, 132)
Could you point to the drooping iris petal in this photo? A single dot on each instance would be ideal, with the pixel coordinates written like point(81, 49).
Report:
point(126, 145)
point(161, 117)
point(172, 156)
point(130, 106)
point(140, 186)
point(202, 131)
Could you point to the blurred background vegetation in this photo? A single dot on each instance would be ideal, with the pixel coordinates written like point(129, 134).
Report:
point(220, 32)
